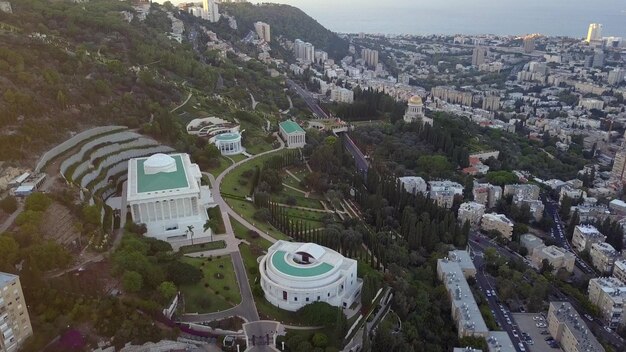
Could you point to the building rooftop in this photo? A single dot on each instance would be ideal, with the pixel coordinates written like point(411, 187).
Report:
point(462, 258)
point(305, 260)
point(498, 217)
point(461, 295)
point(227, 137)
point(621, 264)
point(500, 341)
point(588, 230)
point(604, 248)
point(6, 278)
point(471, 206)
point(160, 172)
point(567, 315)
point(290, 127)
point(555, 252)
point(610, 285)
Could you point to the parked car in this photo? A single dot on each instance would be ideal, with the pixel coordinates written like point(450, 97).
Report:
point(589, 317)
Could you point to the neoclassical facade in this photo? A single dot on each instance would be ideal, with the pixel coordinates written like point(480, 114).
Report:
point(293, 134)
point(165, 194)
point(415, 111)
point(229, 143)
point(296, 274)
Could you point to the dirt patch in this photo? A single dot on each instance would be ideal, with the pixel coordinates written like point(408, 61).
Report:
point(60, 225)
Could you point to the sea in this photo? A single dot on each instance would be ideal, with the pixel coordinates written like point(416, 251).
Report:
point(501, 17)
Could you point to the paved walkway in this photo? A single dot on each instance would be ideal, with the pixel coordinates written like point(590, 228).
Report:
point(217, 182)
point(305, 208)
point(183, 104)
point(306, 194)
point(292, 175)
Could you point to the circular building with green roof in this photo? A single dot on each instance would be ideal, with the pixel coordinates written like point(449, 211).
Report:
point(229, 143)
point(296, 274)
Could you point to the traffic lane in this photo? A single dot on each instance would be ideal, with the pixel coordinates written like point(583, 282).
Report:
point(500, 312)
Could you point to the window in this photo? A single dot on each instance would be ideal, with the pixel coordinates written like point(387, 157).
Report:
point(295, 299)
point(328, 294)
point(285, 295)
point(318, 298)
point(307, 299)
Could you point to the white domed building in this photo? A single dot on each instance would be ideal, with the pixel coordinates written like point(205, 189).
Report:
point(164, 193)
point(228, 143)
point(296, 274)
point(415, 111)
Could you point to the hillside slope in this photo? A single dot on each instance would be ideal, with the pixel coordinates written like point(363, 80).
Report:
point(289, 22)
point(65, 67)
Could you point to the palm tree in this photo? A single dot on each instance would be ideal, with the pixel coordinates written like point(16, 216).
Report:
point(190, 231)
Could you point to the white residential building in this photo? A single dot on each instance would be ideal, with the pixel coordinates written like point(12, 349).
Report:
point(165, 194)
point(414, 184)
point(608, 294)
point(497, 222)
point(619, 269)
point(589, 103)
point(522, 191)
point(443, 192)
point(603, 256)
point(342, 95)
point(558, 257)
point(15, 325)
point(472, 212)
point(453, 271)
point(584, 236)
point(263, 31)
point(296, 274)
point(487, 194)
point(304, 51)
point(569, 330)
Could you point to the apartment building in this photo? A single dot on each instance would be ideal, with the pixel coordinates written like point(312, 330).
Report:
point(498, 222)
point(603, 256)
point(15, 325)
point(619, 270)
point(487, 194)
point(453, 271)
point(472, 212)
point(608, 294)
point(584, 236)
point(569, 329)
point(522, 191)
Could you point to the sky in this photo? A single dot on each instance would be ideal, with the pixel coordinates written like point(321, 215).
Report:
point(551, 17)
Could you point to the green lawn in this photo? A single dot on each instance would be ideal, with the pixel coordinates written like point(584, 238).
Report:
point(243, 233)
point(247, 210)
point(289, 180)
point(238, 157)
point(201, 247)
point(301, 200)
point(217, 291)
point(301, 171)
point(313, 218)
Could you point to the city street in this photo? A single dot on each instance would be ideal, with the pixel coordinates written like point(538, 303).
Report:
point(310, 101)
point(558, 233)
point(487, 287)
point(478, 244)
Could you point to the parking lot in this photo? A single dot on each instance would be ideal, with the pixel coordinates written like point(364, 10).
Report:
point(527, 325)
